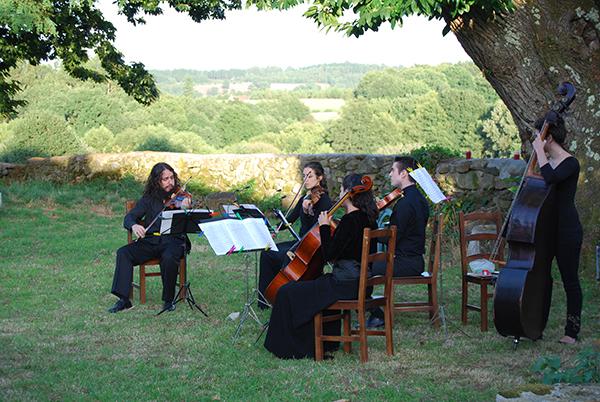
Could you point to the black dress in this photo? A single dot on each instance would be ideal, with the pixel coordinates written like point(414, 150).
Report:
point(569, 237)
point(272, 261)
point(291, 329)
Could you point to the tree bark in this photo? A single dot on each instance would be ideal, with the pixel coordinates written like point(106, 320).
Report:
point(525, 56)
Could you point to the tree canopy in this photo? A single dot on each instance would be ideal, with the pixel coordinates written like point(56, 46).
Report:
point(67, 30)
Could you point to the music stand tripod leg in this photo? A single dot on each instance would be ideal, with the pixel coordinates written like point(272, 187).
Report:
point(251, 298)
point(189, 298)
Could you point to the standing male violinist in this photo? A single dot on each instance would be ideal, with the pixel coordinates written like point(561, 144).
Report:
point(410, 215)
point(161, 188)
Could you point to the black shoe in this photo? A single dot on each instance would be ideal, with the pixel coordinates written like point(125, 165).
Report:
point(375, 322)
point(169, 306)
point(121, 305)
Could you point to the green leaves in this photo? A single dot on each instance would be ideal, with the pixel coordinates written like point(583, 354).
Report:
point(585, 370)
point(68, 29)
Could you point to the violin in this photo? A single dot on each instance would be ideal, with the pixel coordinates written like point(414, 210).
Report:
point(388, 199)
point(524, 285)
point(307, 260)
point(315, 194)
point(178, 198)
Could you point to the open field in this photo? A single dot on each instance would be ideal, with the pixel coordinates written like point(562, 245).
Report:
point(57, 342)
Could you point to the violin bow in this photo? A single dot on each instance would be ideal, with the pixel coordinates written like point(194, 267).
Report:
point(292, 204)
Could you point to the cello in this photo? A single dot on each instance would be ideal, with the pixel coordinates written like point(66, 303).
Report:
point(290, 272)
point(307, 261)
point(524, 286)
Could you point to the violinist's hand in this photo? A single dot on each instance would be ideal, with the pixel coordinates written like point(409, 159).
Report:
point(324, 219)
point(538, 145)
point(306, 204)
point(139, 231)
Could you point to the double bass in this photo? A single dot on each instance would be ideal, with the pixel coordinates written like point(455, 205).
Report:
point(307, 261)
point(524, 285)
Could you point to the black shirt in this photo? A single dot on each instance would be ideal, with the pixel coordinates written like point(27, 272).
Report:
point(564, 177)
point(346, 243)
point(307, 221)
point(410, 215)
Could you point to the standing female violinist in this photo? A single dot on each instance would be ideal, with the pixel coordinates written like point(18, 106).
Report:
point(560, 168)
point(162, 191)
point(312, 204)
point(291, 333)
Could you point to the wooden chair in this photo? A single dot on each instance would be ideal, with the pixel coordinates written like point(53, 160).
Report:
point(466, 224)
point(431, 305)
point(144, 274)
point(362, 304)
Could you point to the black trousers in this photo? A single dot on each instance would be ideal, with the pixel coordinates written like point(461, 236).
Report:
point(271, 263)
point(567, 259)
point(168, 249)
point(403, 266)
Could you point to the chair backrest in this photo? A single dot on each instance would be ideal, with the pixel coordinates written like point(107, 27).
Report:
point(129, 205)
point(368, 258)
point(489, 225)
point(435, 246)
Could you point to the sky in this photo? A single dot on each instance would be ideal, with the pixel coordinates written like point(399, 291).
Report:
point(250, 38)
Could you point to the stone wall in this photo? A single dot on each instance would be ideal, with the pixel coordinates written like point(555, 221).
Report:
point(481, 182)
point(484, 180)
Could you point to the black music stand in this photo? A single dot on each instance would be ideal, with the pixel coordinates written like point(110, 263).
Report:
point(247, 233)
point(183, 222)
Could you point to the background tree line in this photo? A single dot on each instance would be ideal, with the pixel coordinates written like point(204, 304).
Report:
point(388, 111)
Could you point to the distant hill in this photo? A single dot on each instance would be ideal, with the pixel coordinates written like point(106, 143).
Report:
point(341, 75)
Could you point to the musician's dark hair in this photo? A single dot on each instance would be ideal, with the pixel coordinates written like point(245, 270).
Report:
point(153, 188)
point(406, 162)
point(364, 201)
point(319, 171)
point(556, 126)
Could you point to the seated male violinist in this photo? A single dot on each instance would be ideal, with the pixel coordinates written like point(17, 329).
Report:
point(163, 190)
point(410, 215)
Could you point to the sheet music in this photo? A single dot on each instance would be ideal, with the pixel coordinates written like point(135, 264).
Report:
point(167, 217)
point(249, 234)
point(424, 180)
point(259, 233)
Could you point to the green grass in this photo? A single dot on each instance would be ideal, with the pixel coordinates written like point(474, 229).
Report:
point(58, 342)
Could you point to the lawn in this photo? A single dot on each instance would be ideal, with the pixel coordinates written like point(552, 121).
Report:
point(58, 342)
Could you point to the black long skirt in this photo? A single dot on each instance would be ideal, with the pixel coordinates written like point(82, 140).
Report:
point(291, 329)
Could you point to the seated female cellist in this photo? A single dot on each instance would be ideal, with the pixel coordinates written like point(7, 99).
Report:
point(307, 210)
point(291, 333)
point(560, 168)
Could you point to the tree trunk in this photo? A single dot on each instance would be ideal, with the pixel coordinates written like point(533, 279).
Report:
point(525, 56)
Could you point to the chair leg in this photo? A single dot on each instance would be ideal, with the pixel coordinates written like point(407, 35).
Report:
point(484, 308)
point(362, 332)
point(347, 318)
point(182, 278)
point(318, 323)
point(434, 305)
point(465, 300)
point(142, 284)
point(430, 300)
point(389, 327)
